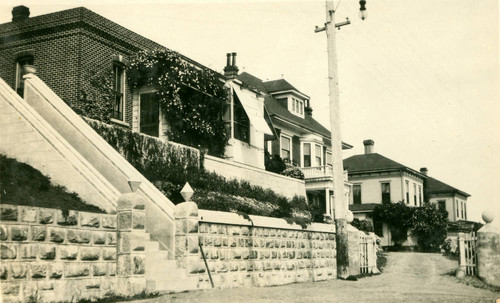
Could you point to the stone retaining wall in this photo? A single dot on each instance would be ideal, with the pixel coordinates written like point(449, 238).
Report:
point(257, 251)
point(49, 256)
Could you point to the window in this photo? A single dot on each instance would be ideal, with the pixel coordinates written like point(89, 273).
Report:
point(407, 192)
point(119, 89)
point(462, 209)
point(465, 210)
point(456, 207)
point(414, 194)
point(293, 105)
point(285, 148)
point(356, 193)
point(301, 107)
point(442, 205)
point(317, 155)
point(307, 154)
point(149, 114)
point(20, 72)
point(241, 121)
point(329, 159)
point(420, 195)
point(386, 192)
point(297, 106)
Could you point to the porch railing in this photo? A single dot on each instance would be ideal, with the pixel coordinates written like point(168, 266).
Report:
point(319, 172)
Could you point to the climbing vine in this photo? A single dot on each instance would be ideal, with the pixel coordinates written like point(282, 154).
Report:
point(192, 99)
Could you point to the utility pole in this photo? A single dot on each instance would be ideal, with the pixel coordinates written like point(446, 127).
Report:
point(340, 203)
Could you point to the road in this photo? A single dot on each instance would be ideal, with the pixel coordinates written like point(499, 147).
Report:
point(408, 277)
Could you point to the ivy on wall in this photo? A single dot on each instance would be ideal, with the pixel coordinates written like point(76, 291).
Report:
point(96, 97)
point(192, 99)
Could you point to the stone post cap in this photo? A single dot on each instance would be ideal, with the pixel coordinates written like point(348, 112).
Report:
point(186, 209)
point(488, 216)
point(130, 201)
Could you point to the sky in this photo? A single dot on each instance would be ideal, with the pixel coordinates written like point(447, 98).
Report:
point(420, 78)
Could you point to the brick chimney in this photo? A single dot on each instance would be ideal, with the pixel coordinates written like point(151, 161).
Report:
point(20, 13)
point(424, 170)
point(231, 70)
point(369, 146)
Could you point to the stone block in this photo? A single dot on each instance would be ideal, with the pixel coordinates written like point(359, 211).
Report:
point(56, 270)
point(234, 266)
point(111, 238)
point(68, 252)
point(10, 288)
point(29, 251)
point(57, 235)
point(192, 244)
point(18, 270)
point(8, 251)
point(139, 264)
point(192, 226)
point(4, 272)
point(213, 228)
point(204, 228)
point(46, 216)
point(78, 236)
point(138, 219)
point(124, 265)
point(45, 285)
point(109, 221)
point(72, 270)
point(18, 233)
point(131, 241)
point(186, 209)
point(245, 231)
point(90, 253)
point(38, 233)
point(38, 270)
point(89, 220)
point(3, 233)
point(28, 214)
point(124, 220)
point(99, 237)
point(8, 213)
point(109, 253)
point(47, 252)
point(69, 218)
point(99, 269)
point(112, 269)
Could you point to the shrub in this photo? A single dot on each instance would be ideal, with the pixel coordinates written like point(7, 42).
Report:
point(397, 216)
point(429, 225)
point(293, 172)
point(274, 163)
point(450, 245)
point(363, 225)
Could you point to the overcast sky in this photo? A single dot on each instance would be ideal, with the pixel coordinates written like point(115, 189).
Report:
point(420, 78)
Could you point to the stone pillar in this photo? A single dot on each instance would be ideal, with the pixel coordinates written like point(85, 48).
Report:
point(132, 239)
point(187, 251)
point(488, 251)
point(352, 253)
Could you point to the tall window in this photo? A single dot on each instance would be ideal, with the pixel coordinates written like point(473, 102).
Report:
point(356, 193)
point(465, 210)
point(241, 121)
point(285, 148)
point(329, 159)
point(307, 154)
point(20, 72)
point(407, 192)
point(456, 207)
point(317, 155)
point(119, 89)
point(386, 192)
point(420, 195)
point(462, 209)
point(414, 194)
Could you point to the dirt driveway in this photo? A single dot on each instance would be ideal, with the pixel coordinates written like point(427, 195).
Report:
point(408, 277)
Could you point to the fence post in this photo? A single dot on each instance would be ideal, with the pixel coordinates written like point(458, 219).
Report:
point(461, 262)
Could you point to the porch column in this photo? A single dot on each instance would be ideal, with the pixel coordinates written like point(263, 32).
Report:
point(328, 203)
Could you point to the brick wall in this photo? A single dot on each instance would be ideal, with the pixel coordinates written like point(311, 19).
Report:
point(56, 256)
point(257, 252)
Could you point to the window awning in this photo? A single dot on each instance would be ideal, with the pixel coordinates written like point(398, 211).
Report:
point(254, 109)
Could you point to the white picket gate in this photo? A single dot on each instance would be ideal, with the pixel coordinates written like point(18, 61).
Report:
point(468, 256)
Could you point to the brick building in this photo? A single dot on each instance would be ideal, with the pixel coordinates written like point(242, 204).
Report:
point(70, 48)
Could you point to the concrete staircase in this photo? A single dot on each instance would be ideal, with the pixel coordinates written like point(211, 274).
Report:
point(163, 274)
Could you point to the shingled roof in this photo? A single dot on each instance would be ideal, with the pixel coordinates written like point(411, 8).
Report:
point(374, 162)
point(274, 108)
point(437, 187)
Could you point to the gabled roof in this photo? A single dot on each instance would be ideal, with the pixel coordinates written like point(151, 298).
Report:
point(280, 85)
point(437, 187)
point(274, 108)
point(374, 162)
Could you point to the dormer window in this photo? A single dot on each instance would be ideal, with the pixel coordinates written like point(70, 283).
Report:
point(297, 106)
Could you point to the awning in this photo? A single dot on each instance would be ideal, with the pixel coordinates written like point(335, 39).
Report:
point(254, 109)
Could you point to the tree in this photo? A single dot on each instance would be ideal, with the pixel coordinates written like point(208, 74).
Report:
point(429, 225)
point(397, 216)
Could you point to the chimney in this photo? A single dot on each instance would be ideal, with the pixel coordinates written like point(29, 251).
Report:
point(309, 111)
point(20, 13)
point(424, 170)
point(231, 70)
point(368, 146)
